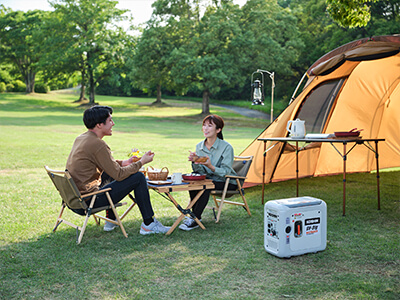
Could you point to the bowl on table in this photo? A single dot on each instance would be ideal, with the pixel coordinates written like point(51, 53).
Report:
point(193, 176)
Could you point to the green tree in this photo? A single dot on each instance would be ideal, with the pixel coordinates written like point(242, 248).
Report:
point(20, 42)
point(61, 60)
point(273, 42)
point(208, 57)
point(385, 17)
point(96, 42)
point(149, 69)
point(321, 34)
point(350, 13)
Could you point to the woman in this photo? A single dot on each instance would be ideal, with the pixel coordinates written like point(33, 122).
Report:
point(219, 154)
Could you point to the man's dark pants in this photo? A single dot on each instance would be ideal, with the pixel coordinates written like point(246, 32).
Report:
point(119, 190)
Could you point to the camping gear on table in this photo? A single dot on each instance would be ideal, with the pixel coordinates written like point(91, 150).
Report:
point(295, 226)
point(352, 133)
point(355, 85)
point(296, 128)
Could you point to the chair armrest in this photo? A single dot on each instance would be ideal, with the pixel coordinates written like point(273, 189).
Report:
point(96, 192)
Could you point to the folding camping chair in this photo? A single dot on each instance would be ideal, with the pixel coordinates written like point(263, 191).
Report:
point(241, 165)
point(68, 190)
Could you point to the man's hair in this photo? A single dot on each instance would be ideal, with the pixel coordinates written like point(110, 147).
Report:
point(95, 115)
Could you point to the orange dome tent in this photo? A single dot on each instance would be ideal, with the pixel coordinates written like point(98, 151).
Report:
point(354, 86)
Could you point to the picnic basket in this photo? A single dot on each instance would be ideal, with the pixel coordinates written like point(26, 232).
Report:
point(153, 174)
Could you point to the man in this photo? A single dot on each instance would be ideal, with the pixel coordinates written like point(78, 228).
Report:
point(91, 157)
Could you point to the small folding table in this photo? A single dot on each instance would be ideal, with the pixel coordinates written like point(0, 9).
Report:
point(195, 185)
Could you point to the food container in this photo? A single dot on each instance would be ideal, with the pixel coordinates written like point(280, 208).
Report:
point(193, 176)
point(352, 133)
point(201, 159)
point(154, 174)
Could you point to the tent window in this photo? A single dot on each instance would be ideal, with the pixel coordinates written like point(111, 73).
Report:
point(315, 109)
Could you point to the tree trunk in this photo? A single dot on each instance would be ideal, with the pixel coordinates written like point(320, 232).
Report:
point(91, 89)
point(158, 100)
point(83, 85)
point(83, 90)
point(206, 103)
point(30, 82)
point(91, 85)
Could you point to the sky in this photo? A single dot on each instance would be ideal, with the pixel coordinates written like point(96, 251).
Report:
point(140, 9)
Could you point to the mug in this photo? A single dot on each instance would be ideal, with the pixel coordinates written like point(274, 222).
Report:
point(176, 178)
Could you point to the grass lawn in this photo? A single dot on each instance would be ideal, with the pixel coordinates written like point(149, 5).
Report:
point(225, 261)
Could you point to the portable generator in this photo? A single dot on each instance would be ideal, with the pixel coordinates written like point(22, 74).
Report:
point(294, 226)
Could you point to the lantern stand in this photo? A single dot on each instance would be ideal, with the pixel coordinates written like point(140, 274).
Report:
point(258, 90)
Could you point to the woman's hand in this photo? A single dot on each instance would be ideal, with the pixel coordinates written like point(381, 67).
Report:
point(192, 156)
point(208, 164)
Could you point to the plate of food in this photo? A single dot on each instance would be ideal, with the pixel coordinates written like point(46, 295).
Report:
point(200, 159)
point(193, 176)
point(159, 182)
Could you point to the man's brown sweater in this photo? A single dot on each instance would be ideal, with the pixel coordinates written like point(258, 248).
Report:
point(89, 157)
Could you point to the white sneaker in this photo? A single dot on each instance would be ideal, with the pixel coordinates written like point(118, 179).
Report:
point(154, 227)
point(108, 226)
point(189, 224)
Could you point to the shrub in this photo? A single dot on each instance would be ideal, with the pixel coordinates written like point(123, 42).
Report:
point(9, 87)
point(3, 87)
point(41, 87)
point(18, 86)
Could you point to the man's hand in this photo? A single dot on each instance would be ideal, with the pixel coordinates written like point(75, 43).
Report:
point(147, 157)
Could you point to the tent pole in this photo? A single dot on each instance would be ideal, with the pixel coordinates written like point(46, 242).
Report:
point(298, 85)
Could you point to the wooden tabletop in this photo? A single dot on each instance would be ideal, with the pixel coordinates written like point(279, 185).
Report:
point(185, 186)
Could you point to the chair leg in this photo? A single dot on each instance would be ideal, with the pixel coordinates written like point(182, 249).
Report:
point(129, 208)
point(59, 220)
point(215, 201)
point(97, 220)
point(86, 220)
point(116, 215)
point(83, 229)
point(222, 200)
point(246, 206)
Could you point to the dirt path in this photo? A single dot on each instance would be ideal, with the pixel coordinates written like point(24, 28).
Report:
point(247, 112)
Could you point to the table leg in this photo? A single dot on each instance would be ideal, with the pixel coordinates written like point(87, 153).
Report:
point(180, 218)
point(263, 175)
point(344, 178)
point(377, 174)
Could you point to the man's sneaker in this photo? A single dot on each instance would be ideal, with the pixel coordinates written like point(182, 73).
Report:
point(108, 226)
point(154, 227)
point(189, 224)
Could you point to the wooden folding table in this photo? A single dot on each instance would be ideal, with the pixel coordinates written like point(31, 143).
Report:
point(196, 185)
